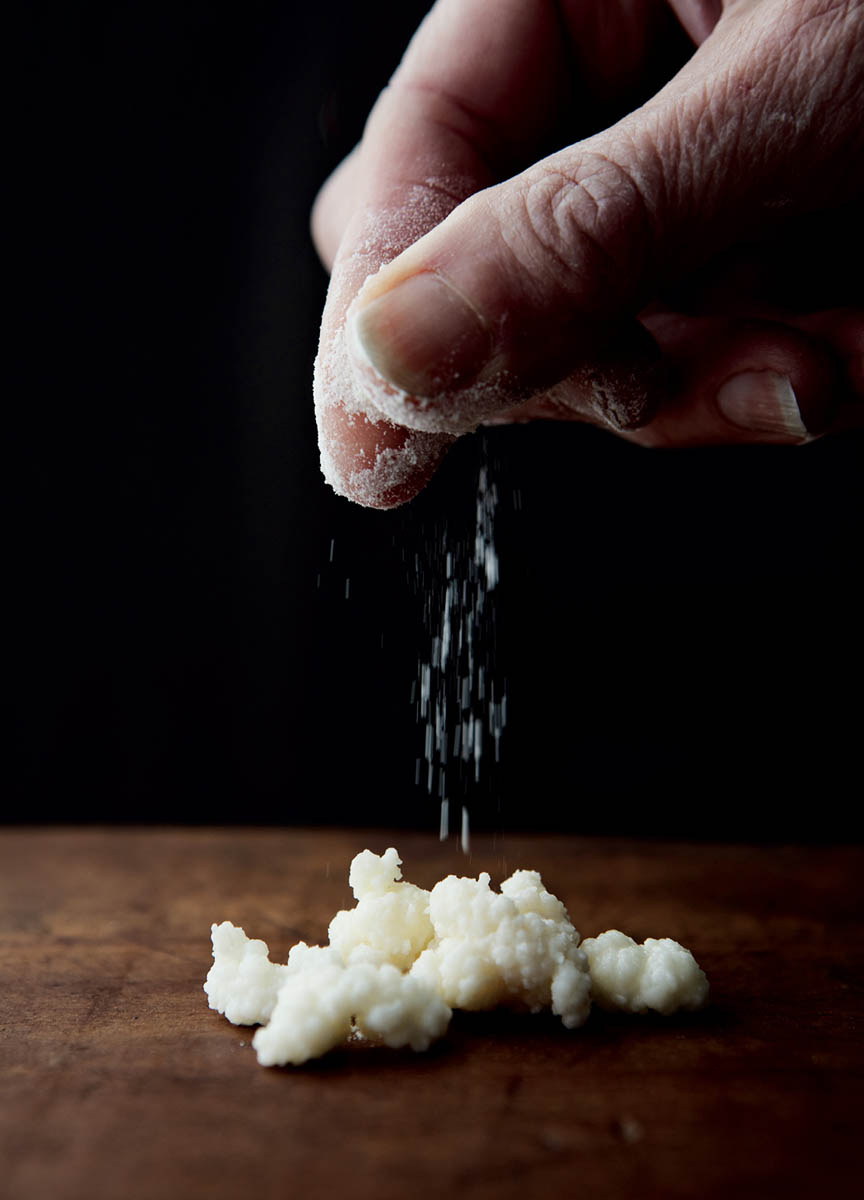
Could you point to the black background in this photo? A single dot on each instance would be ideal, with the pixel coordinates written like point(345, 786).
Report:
point(680, 633)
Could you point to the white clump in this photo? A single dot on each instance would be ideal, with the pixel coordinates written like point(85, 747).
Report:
point(319, 1009)
point(374, 874)
point(526, 890)
point(660, 974)
point(390, 922)
point(517, 948)
point(402, 958)
point(242, 983)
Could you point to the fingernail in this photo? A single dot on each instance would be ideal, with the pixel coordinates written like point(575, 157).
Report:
point(762, 402)
point(423, 336)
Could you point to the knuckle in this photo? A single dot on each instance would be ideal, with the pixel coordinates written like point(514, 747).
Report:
point(584, 225)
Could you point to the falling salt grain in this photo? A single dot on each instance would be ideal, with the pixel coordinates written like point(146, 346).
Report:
point(458, 693)
point(444, 830)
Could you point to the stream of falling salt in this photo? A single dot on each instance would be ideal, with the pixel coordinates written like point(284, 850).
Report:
point(461, 703)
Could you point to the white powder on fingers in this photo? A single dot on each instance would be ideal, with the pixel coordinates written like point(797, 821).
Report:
point(455, 411)
point(363, 455)
point(373, 467)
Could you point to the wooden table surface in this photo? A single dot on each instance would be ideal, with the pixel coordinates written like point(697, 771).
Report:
point(117, 1081)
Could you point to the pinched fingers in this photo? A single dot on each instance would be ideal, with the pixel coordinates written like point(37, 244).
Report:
point(510, 303)
point(443, 315)
point(457, 111)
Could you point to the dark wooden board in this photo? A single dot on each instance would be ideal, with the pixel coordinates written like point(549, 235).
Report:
point(117, 1081)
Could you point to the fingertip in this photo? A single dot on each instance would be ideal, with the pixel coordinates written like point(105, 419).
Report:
point(415, 352)
point(762, 402)
point(754, 382)
point(375, 463)
point(421, 336)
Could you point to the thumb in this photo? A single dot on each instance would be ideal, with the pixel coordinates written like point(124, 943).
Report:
point(524, 282)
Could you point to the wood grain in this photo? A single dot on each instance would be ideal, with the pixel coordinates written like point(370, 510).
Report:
point(117, 1081)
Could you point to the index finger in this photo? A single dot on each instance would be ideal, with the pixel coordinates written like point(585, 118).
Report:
point(475, 98)
point(456, 113)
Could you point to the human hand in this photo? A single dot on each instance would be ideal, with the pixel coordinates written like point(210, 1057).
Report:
point(687, 276)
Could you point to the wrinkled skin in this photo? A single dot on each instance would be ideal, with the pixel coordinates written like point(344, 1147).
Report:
point(711, 233)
